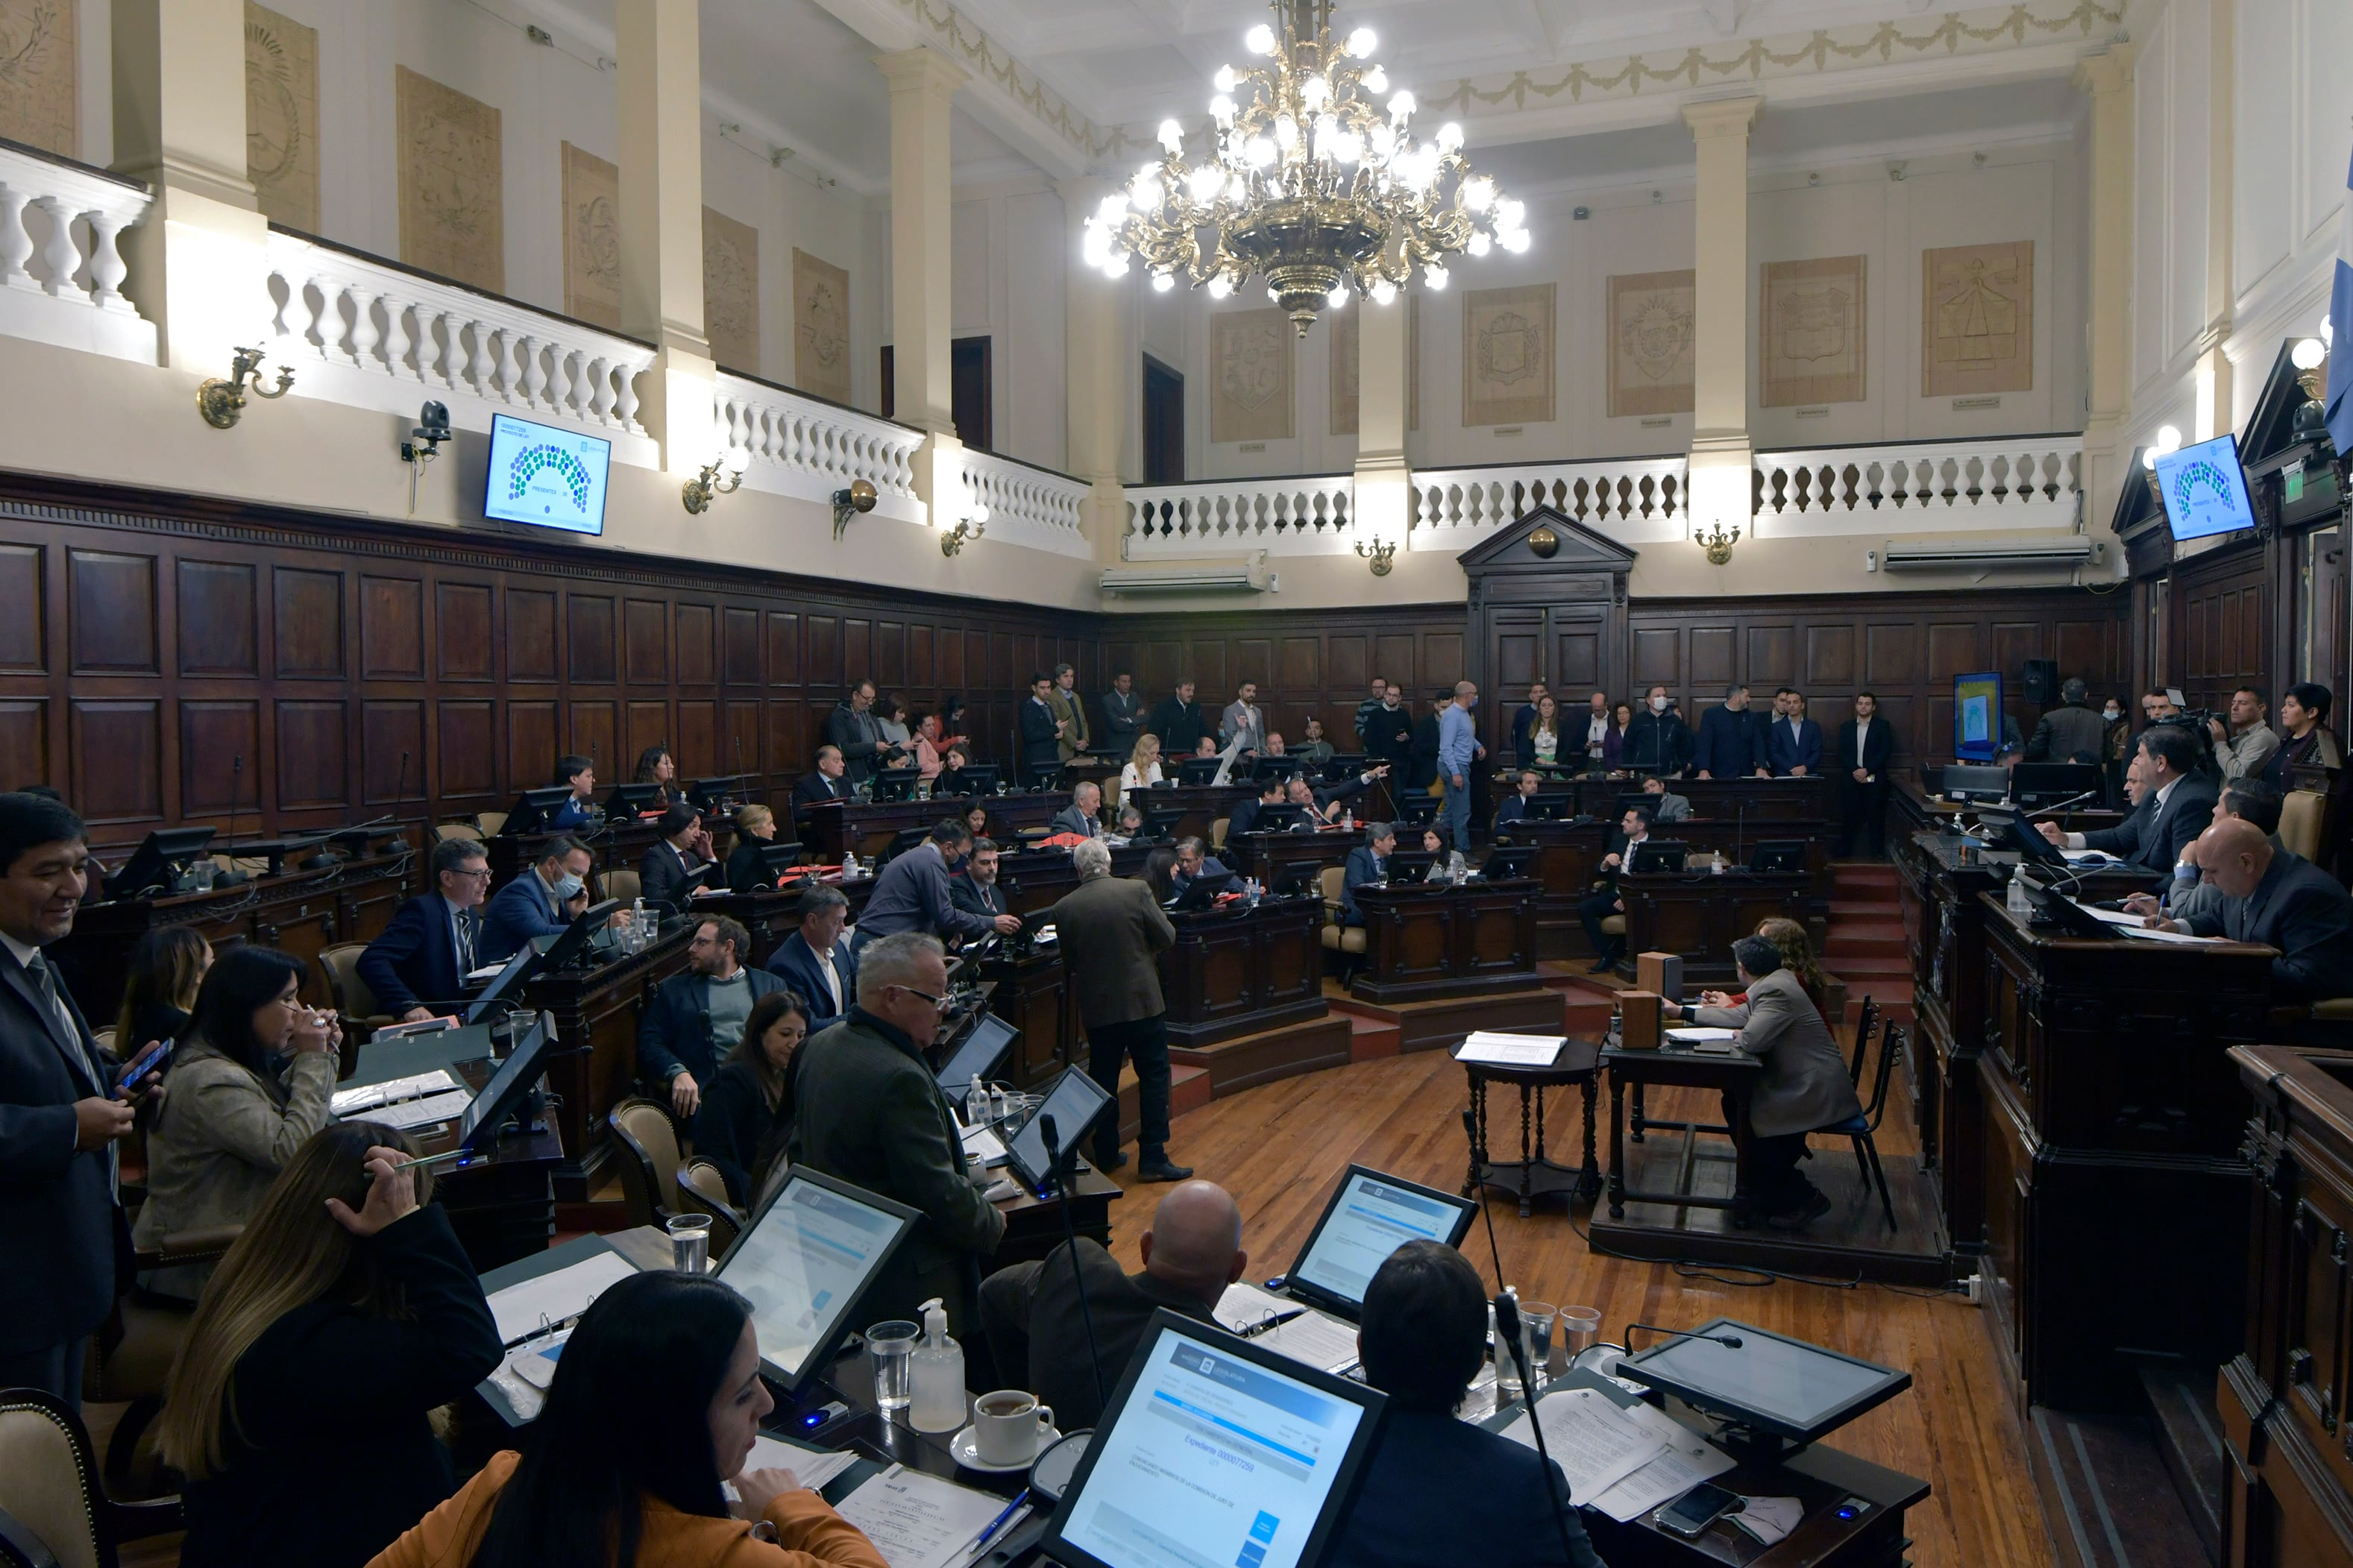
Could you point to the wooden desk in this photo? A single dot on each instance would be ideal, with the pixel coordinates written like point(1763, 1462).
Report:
point(1271, 857)
point(1428, 940)
point(840, 826)
point(596, 1065)
point(1825, 1480)
point(1917, 811)
point(1939, 877)
point(302, 912)
point(1035, 880)
point(1733, 1074)
point(501, 1203)
point(1240, 970)
point(1699, 915)
point(1778, 807)
point(1028, 992)
point(2284, 1395)
point(1569, 862)
point(1534, 1174)
point(2116, 1195)
point(1203, 803)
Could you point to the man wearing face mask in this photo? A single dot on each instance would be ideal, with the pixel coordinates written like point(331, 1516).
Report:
point(1658, 741)
point(540, 903)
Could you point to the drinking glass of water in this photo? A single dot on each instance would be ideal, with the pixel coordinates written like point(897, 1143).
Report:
point(891, 1345)
point(690, 1242)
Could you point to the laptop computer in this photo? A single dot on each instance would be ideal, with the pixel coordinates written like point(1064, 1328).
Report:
point(1371, 1215)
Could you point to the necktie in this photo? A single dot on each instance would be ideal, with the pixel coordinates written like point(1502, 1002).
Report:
point(465, 944)
point(45, 981)
point(832, 978)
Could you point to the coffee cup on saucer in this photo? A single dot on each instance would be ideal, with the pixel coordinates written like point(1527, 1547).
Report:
point(1008, 1426)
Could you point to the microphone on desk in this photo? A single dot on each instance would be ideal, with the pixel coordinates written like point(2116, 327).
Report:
point(2067, 806)
point(1733, 1342)
point(1508, 1333)
point(1056, 1158)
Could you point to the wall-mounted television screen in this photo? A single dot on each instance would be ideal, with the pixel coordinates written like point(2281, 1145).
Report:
point(2205, 490)
point(545, 477)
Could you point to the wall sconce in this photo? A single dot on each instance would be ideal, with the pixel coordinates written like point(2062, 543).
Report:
point(968, 528)
point(722, 475)
point(848, 503)
point(1383, 555)
point(223, 402)
point(424, 445)
point(1718, 543)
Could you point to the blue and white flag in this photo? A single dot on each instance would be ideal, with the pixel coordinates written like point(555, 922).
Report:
point(2339, 400)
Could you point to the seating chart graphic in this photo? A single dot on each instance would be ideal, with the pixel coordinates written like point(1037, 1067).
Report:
point(547, 477)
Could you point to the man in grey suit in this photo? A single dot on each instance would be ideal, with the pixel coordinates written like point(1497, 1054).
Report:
point(1804, 1087)
point(2178, 807)
point(1083, 815)
point(1112, 934)
point(867, 1109)
point(60, 1225)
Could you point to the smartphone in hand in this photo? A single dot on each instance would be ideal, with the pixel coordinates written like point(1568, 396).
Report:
point(150, 1060)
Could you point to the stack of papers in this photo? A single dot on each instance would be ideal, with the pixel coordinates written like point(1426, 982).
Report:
point(917, 1521)
point(812, 1469)
point(2130, 925)
point(981, 1140)
point(1596, 1442)
point(526, 1310)
point(1245, 1306)
point(1510, 1050)
point(1701, 1036)
point(409, 1114)
point(1689, 1460)
point(1314, 1338)
point(346, 1102)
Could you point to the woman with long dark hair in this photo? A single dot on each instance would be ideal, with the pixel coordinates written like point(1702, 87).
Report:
point(654, 1405)
point(231, 1121)
point(296, 1406)
point(749, 1105)
point(159, 991)
point(656, 766)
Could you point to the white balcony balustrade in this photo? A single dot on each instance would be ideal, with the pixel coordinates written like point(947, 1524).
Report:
point(1634, 500)
point(808, 448)
point(2023, 482)
point(1303, 516)
point(61, 267)
point(1028, 506)
point(364, 331)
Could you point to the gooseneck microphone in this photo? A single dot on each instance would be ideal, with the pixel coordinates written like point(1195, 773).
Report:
point(1731, 1341)
point(1507, 1326)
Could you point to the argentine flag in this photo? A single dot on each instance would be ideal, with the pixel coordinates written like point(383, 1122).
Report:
point(2339, 400)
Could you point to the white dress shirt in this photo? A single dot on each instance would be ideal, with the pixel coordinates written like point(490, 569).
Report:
point(2075, 840)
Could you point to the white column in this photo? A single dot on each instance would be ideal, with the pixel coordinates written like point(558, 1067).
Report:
point(922, 85)
point(1721, 458)
point(1384, 485)
point(2215, 412)
point(198, 264)
point(659, 99)
point(1096, 328)
point(2107, 76)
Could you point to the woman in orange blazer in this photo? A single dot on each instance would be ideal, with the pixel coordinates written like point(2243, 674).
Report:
point(656, 1402)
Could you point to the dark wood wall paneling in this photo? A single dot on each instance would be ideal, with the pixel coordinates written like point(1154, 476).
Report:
point(2220, 636)
point(1905, 649)
point(1318, 663)
point(166, 660)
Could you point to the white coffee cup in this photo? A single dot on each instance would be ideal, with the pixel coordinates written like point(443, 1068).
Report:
point(1008, 1425)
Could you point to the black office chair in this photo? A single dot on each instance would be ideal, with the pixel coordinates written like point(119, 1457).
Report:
point(1862, 1126)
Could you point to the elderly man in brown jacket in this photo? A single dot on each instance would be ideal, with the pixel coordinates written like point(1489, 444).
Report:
point(1803, 1088)
point(1112, 934)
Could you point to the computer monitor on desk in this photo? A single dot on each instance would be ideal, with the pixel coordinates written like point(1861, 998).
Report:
point(981, 778)
point(1278, 818)
point(1160, 821)
point(1410, 865)
point(1660, 855)
point(1276, 767)
point(532, 809)
point(982, 1053)
point(719, 795)
point(804, 1262)
point(1779, 855)
point(633, 799)
point(1963, 782)
point(516, 1078)
point(1371, 1215)
point(1502, 864)
point(1215, 1450)
point(1766, 1385)
point(1073, 1101)
point(2047, 783)
point(570, 947)
point(1199, 771)
point(161, 863)
point(896, 783)
point(1552, 805)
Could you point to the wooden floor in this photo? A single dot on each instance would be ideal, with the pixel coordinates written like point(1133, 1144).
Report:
point(1280, 1148)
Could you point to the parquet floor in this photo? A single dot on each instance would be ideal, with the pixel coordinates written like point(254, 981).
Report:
point(1280, 1148)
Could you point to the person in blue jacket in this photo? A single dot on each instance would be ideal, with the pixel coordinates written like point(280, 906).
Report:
point(540, 903)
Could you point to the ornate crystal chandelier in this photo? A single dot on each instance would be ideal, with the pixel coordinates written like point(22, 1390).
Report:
point(1315, 184)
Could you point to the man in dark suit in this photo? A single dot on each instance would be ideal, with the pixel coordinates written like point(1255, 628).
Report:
point(1112, 934)
point(1244, 817)
point(853, 729)
point(829, 782)
point(61, 1230)
point(866, 1110)
point(1726, 746)
point(1123, 715)
point(417, 968)
point(540, 903)
point(2177, 804)
point(1042, 736)
point(1633, 830)
point(1038, 1323)
point(1795, 750)
point(815, 962)
point(2070, 732)
point(1388, 728)
point(1866, 745)
point(1367, 862)
point(1083, 815)
point(1423, 1338)
point(1194, 861)
point(697, 1017)
point(581, 810)
point(1177, 721)
point(1515, 804)
point(916, 892)
point(1658, 740)
point(677, 863)
point(2279, 899)
point(975, 890)
point(1803, 1088)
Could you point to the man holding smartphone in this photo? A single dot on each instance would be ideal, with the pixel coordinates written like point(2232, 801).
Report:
point(60, 1114)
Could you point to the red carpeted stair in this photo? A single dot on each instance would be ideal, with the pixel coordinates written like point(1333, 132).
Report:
point(1866, 947)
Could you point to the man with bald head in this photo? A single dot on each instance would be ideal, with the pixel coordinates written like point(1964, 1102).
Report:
point(1031, 1311)
point(2278, 897)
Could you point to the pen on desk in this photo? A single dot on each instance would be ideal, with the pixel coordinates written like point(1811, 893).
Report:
point(998, 1522)
point(1267, 1325)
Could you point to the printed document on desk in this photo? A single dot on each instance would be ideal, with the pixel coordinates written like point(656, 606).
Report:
point(522, 1311)
point(347, 1103)
point(1320, 1341)
point(917, 1521)
point(1596, 1443)
point(1689, 1460)
point(1244, 1307)
point(812, 1469)
point(1701, 1036)
point(1510, 1050)
point(402, 1115)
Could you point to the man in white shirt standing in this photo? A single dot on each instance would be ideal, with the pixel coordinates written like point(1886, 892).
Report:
point(1597, 732)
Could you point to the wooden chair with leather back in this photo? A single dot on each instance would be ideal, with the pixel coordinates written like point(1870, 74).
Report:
point(2303, 821)
point(362, 1013)
point(702, 1190)
point(648, 1140)
point(621, 883)
point(134, 1351)
point(445, 831)
point(52, 1508)
point(1346, 939)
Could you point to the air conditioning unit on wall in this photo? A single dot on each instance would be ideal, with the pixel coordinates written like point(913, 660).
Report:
point(1964, 554)
point(1252, 577)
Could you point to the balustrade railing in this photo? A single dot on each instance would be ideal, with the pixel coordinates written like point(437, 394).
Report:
point(1635, 498)
point(1300, 516)
point(1029, 506)
point(382, 332)
point(61, 267)
point(808, 448)
point(2019, 483)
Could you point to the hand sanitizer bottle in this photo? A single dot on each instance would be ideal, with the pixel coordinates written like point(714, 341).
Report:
point(936, 1374)
point(976, 1103)
point(849, 866)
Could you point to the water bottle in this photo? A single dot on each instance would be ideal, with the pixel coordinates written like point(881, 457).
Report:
point(1719, 866)
point(638, 941)
point(976, 1103)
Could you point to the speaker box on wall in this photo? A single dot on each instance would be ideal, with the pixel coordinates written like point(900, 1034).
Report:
point(2040, 681)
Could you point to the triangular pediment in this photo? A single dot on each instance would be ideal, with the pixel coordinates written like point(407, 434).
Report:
point(1573, 547)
